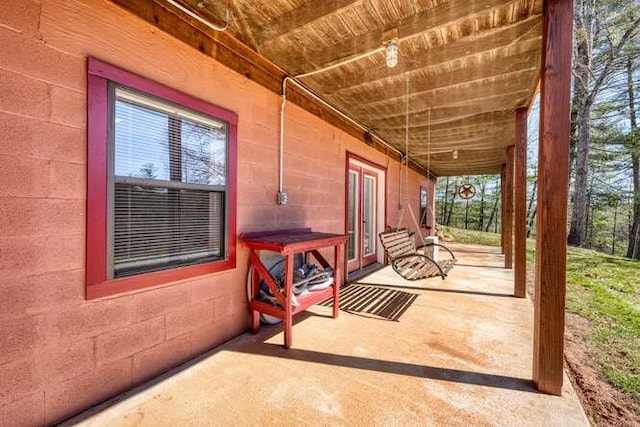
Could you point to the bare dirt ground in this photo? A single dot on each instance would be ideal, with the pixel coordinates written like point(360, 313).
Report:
point(603, 404)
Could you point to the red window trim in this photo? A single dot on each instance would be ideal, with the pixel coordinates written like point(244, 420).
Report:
point(99, 75)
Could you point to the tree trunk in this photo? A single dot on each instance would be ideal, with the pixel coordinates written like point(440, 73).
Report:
point(532, 199)
point(493, 212)
point(633, 250)
point(453, 199)
point(483, 187)
point(587, 85)
point(444, 205)
point(533, 217)
point(583, 103)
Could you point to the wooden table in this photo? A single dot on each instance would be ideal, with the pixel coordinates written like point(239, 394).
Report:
point(288, 243)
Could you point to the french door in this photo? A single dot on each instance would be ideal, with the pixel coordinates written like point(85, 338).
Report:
point(362, 217)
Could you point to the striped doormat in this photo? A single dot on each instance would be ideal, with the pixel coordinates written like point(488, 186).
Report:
point(374, 301)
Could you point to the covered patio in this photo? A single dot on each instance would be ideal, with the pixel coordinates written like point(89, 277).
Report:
point(444, 88)
point(460, 351)
point(271, 116)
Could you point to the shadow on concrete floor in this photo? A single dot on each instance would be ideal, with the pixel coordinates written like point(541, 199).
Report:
point(390, 367)
point(448, 290)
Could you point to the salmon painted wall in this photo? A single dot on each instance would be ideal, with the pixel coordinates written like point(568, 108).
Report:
point(61, 354)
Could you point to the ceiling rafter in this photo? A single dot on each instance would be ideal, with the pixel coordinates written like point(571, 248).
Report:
point(243, 25)
point(495, 40)
point(294, 19)
point(471, 157)
point(473, 116)
point(487, 142)
point(395, 88)
point(462, 129)
point(454, 170)
point(425, 113)
point(479, 139)
point(469, 136)
point(441, 15)
point(444, 96)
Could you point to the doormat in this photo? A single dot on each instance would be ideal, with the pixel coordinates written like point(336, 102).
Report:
point(373, 301)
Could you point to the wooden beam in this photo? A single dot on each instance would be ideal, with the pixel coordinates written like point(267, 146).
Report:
point(446, 96)
point(477, 131)
point(421, 145)
point(495, 42)
point(468, 157)
point(475, 73)
point(243, 25)
point(299, 17)
point(520, 228)
point(415, 25)
point(553, 184)
point(455, 169)
point(463, 125)
point(508, 208)
point(423, 116)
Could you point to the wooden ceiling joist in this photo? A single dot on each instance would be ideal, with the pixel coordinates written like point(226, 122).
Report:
point(424, 116)
point(474, 91)
point(299, 17)
point(438, 16)
point(461, 130)
point(494, 40)
point(422, 80)
point(479, 140)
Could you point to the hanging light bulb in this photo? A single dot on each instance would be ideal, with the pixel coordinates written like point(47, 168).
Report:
point(391, 51)
point(455, 154)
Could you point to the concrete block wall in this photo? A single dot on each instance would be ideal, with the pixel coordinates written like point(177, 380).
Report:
point(61, 354)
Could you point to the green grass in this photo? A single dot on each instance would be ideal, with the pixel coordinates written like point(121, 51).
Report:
point(605, 290)
point(471, 236)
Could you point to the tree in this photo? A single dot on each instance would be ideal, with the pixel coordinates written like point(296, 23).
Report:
point(602, 29)
point(633, 250)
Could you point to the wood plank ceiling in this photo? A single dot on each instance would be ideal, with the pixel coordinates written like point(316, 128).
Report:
point(464, 67)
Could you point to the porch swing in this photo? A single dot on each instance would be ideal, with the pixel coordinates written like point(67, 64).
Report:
point(409, 261)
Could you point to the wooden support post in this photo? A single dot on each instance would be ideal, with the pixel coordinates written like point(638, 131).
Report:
point(502, 214)
point(508, 209)
point(520, 229)
point(553, 182)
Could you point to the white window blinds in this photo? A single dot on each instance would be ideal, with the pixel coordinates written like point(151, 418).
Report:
point(168, 171)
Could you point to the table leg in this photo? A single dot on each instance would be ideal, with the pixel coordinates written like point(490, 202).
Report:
point(255, 314)
point(288, 309)
point(337, 277)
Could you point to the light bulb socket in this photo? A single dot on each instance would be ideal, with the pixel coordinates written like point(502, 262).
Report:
point(391, 52)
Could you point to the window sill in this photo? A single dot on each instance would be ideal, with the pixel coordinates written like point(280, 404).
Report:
point(126, 285)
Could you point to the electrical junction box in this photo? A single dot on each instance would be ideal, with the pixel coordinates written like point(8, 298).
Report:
point(282, 198)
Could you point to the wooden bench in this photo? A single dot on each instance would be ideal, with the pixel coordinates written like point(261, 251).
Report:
point(414, 263)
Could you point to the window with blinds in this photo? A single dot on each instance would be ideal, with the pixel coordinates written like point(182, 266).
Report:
point(168, 182)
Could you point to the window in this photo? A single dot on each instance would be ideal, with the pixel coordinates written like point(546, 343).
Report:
point(161, 184)
point(424, 210)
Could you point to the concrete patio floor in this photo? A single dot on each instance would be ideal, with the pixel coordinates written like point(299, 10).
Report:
point(460, 354)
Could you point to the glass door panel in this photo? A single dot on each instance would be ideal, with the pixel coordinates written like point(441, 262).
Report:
point(369, 216)
point(352, 216)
